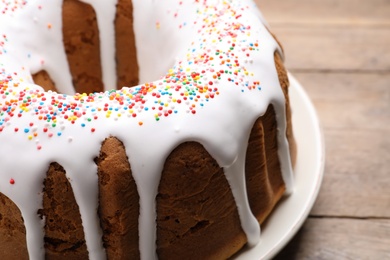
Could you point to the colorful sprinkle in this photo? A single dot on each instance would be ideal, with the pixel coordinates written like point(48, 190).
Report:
point(187, 87)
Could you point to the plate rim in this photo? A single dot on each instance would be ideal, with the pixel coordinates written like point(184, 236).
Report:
point(320, 167)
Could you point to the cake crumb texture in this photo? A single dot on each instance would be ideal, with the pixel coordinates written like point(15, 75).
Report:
point(82, 46)
point(12, 231)
point(118, 202)
point(64, 235)
point(195, 207)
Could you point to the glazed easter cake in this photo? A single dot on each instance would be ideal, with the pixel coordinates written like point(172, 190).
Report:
point(185, 165)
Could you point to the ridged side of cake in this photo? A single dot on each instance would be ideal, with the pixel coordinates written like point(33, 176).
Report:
point(197, 216)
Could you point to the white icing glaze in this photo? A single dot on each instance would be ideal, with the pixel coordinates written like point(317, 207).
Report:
point(217, 112)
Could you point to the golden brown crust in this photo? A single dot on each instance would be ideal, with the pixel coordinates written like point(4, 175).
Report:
point(127, 66)
point(64, 241)
point(119, 202)
point(42, 78)
point(195, 208)
point(12, 231)
point(284, 82)
point(82, 46)
point(264, 180)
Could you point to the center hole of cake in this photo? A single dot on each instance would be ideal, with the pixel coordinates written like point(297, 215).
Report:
point(128, 59)
point(93, 56)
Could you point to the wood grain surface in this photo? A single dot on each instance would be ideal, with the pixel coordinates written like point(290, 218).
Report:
point(340, 52)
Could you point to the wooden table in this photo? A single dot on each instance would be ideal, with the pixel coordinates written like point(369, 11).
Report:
point(340, 52)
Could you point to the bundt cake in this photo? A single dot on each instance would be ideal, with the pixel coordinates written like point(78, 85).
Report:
point(184, 165)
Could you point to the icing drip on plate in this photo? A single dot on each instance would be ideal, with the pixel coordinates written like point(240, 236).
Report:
point(217, 76)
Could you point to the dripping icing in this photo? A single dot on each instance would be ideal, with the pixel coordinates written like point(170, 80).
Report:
point(237, 96)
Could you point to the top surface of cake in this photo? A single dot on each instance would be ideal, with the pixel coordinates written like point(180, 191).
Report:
point(210, 72)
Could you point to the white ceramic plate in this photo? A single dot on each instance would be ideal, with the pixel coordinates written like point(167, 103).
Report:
point(292, 211)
